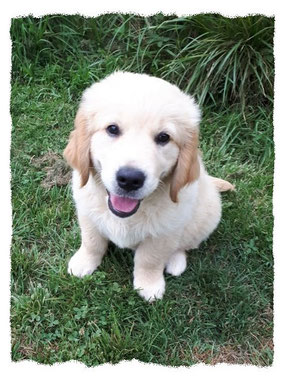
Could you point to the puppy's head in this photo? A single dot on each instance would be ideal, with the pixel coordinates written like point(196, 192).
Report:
point(135, 131)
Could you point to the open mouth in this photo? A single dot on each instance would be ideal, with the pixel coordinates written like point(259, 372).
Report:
point(122, 206)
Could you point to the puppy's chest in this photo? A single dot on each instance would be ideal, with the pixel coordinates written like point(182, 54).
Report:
point(129, 233)
point(125, 234)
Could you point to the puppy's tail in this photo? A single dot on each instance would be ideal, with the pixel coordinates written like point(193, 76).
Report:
point(222, 185)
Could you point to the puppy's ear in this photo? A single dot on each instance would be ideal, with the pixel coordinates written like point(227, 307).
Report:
point(77, 151)
point(187, 168)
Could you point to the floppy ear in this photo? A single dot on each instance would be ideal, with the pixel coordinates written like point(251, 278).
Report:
point(187, 168)
point(77, 151)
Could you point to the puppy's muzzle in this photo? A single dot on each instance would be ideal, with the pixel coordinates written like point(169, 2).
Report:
point(125, 203)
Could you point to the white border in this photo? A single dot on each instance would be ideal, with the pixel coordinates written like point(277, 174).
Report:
point(31, 371)
point(91, 8)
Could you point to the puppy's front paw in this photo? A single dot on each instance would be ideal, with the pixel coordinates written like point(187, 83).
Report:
point(176, 264)
point(82, 263)
point(150, 291)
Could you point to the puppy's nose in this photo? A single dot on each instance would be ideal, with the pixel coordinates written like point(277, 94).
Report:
point(130, 179)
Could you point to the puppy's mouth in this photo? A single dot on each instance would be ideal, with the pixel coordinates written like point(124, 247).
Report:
point(122, 206)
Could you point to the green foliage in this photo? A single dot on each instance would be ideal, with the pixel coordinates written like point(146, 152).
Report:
point(220, 309)
point(215, 58)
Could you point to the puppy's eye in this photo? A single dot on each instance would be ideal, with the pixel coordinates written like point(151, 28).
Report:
point(162, 138)
point(113, 130)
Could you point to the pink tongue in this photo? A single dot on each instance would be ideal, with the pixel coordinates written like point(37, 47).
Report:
point(123, 204)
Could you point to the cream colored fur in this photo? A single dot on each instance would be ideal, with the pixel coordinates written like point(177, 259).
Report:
point(180, 204)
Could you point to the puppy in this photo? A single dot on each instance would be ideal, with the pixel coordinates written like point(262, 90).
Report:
point(138, 178)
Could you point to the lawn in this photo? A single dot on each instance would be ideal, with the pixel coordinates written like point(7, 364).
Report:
point(221, 308)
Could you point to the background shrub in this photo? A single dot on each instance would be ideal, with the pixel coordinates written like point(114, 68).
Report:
point(219, 60)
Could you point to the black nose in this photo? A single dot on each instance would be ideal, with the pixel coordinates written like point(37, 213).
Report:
point(130, 179)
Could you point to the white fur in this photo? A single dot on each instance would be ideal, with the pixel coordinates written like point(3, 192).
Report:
point(82, 263)
point(177, 263)
point(161, 230)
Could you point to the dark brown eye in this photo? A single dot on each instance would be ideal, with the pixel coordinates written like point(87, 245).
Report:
point(113, 130)
point(162, 138)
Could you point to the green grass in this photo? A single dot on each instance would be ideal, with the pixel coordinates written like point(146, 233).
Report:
point(221, 308)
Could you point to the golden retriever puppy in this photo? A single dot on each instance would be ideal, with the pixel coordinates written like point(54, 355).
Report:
point(138, 178)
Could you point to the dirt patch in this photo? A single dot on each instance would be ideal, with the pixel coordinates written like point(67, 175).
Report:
point(57, 170)
point(237, 355)
point(262, 355)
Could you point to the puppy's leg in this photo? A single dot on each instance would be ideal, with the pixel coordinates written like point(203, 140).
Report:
point(177, 263)
point(91, 252)
point(150, 260)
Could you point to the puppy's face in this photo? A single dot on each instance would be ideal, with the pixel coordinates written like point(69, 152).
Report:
point(132, 153)
point(135, 131)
